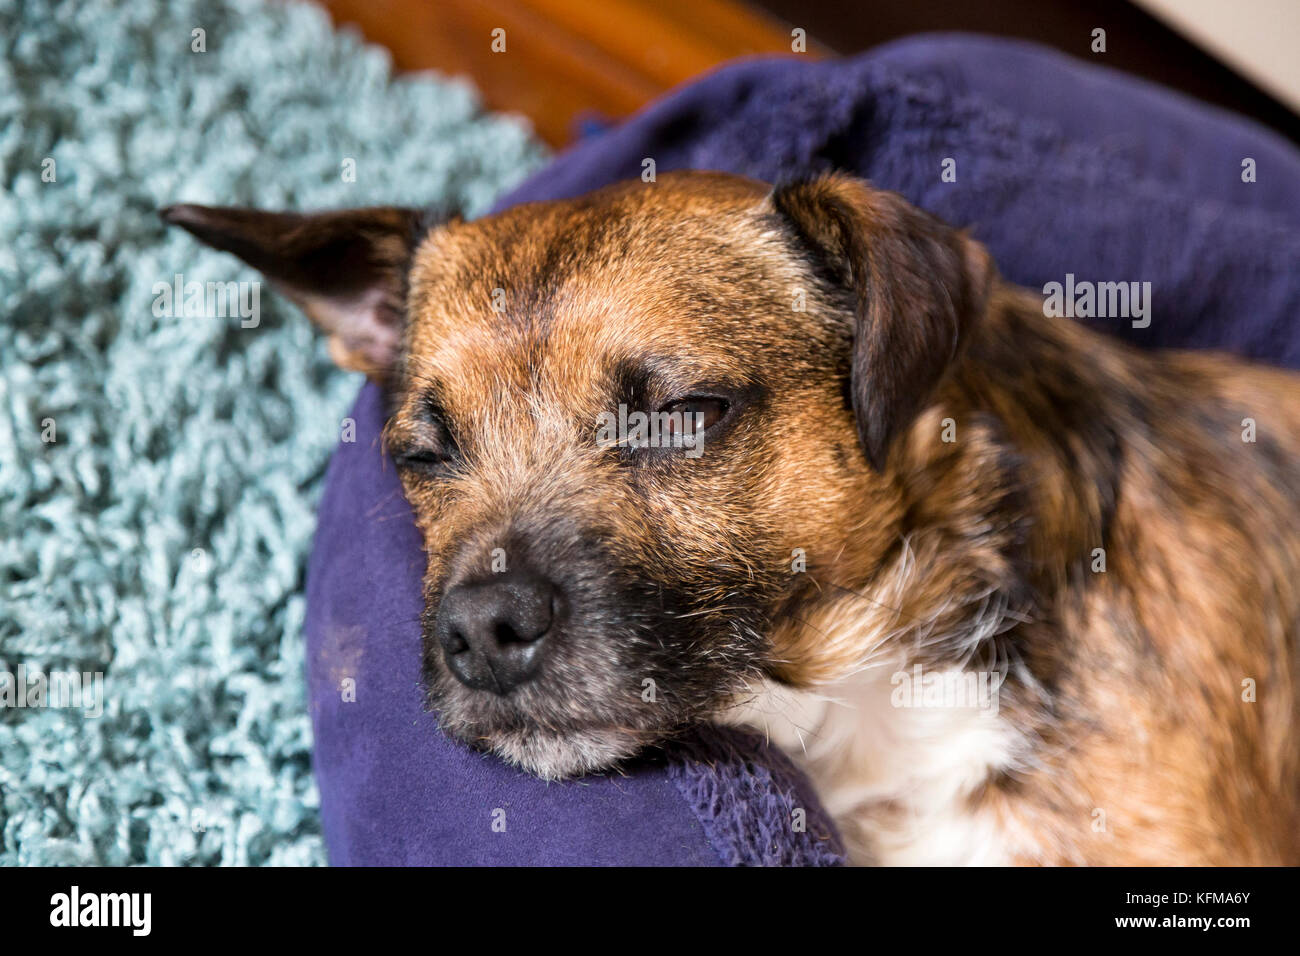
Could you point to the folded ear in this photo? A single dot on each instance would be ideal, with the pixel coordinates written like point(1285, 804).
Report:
point(347, 270)
point(917, 285)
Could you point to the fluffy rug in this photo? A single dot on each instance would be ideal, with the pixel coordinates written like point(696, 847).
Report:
point(158, 472)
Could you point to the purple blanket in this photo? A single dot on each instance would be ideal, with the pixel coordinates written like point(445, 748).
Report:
point(1061, 167)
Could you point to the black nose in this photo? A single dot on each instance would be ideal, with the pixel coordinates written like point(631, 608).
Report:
point(493, 631)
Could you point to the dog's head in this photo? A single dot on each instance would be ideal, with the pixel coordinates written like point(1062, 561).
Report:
point(632, 428)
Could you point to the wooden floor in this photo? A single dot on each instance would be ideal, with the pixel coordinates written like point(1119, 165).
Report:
point(567, 59)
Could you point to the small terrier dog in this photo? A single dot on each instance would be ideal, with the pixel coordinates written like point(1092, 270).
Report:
point(1006, 589)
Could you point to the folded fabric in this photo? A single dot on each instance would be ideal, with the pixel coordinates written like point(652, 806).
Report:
point(1061, 168)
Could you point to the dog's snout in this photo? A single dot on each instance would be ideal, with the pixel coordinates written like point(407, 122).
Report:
point(493, 631)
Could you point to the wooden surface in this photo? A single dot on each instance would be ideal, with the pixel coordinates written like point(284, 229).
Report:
point(565, 59)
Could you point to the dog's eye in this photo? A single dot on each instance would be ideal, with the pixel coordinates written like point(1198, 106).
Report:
point(698, 413)
point(424, 444)
point(421, 459)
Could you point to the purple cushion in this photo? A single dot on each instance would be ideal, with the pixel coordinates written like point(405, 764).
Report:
point(1061, 167)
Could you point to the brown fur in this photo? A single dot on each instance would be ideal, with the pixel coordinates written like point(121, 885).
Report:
point(1128, 682)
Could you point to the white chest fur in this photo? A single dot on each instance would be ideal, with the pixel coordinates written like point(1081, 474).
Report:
point(897, 772)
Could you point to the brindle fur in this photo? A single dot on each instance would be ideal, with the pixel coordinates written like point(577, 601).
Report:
point(1127, 683)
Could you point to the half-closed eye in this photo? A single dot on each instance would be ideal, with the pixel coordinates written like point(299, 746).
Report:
point(694, 413)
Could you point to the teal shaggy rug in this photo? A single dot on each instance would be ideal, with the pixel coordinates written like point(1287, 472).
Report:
point(158, 473)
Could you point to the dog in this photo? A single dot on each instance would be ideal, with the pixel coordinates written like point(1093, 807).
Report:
point(1008, 590)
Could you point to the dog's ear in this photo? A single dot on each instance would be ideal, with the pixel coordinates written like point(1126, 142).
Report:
point(347, 270)
point(917, 287)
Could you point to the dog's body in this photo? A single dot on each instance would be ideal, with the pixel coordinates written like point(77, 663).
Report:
point(907, 472)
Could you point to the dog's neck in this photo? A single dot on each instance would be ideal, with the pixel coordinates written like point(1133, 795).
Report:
point(971, 587)
point(1009, 483)
point(1004, 488)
